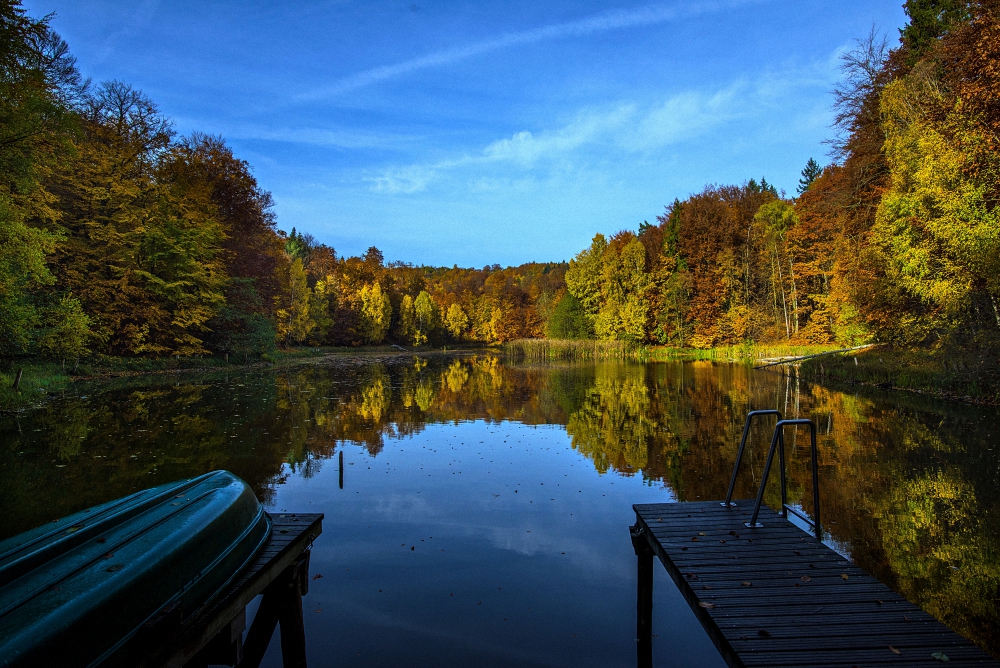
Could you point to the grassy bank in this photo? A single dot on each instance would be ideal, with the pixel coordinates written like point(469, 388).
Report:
point(967, 374)
point(536, 350)
point(744, 352)
point(41, 378)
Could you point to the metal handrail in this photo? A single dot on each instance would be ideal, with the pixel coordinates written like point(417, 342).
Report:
point(739, 453)
point(778, 442)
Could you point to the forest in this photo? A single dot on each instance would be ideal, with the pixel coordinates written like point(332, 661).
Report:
point(120, 237)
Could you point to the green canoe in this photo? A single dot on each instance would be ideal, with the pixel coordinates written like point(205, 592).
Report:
point(101, 587)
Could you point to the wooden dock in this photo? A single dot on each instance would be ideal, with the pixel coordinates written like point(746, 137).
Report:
point(213, 635)
point(776, 596)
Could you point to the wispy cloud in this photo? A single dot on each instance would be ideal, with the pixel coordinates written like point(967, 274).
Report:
point(598, 23)
point(312, 136)
point(627, 128)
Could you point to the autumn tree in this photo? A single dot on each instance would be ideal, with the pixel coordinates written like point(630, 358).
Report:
point(376, 313)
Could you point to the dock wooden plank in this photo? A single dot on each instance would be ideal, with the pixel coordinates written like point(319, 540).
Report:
point(776, 596)
point(291, 535)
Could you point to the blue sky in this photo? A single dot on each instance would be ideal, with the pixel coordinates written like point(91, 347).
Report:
point(475, 133)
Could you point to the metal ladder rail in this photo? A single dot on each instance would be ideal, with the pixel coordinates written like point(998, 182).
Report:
point(778, 442)
point(739, 453)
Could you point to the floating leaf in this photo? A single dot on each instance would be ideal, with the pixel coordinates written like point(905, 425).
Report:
point(940, 656)
point(706, 605)
point(895, 651)
point(317, 576)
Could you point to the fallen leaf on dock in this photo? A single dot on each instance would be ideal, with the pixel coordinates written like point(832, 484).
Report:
point(940, 656)
point(878, 601)
point(702, 533)
point(746, 583)
point(844, 576)
point(806, 578)
point(707, 605)
point(895, 651)
point(763, 634)
point(797, 551)
point(694, 538)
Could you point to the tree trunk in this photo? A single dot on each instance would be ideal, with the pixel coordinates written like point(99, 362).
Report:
point(784, 304)
point(795, 296)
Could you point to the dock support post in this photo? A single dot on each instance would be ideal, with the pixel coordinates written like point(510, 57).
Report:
point(282, 607)
point(644, 598)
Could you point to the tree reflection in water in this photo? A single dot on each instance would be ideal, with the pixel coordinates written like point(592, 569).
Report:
point(909, 485)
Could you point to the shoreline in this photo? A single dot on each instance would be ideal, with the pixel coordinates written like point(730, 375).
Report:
point(41, 380)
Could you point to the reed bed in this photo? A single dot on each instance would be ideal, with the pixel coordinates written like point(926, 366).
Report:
point(744, 352)
point(539, 350)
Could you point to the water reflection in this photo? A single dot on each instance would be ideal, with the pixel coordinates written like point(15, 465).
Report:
point(909, 486)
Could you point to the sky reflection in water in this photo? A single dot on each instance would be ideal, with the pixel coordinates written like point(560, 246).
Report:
point(513, 486)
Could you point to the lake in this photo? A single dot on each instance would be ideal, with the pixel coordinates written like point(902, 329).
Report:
point(485, 508)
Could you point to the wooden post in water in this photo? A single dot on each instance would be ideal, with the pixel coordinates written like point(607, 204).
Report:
point(341, 469)
point(644, 598)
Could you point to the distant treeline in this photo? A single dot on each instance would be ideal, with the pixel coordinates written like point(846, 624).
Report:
point(898, 241)
point(119, 237)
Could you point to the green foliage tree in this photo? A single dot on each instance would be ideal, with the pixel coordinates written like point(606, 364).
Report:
point(23, 273)
point(569, 321)
point(68, 330)
point(810, 172)
point(583, 278)
point(929, 21)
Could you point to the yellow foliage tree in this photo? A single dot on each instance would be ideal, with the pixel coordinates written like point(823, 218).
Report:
point(456, 321)
point(376, 313)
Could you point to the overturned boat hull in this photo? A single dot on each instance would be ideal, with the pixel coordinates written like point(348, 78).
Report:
point(102, 586)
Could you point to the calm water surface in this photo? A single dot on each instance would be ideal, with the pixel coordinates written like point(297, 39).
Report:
point(484, 514)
